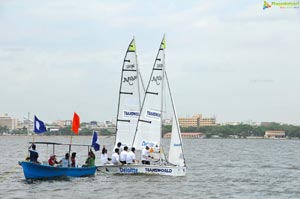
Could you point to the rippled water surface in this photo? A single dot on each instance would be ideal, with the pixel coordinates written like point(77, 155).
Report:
point(216, 169)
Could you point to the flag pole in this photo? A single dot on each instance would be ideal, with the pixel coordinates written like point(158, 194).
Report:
point(28, 126)
point(70, 149)
point(75, 128)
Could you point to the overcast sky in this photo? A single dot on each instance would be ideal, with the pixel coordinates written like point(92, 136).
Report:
point(229, 59)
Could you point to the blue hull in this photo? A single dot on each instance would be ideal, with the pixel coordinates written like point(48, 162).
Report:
point(38, 171)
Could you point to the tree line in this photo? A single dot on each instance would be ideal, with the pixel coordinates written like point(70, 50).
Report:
point(242, 130)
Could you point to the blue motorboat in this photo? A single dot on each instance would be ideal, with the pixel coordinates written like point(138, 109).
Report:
point(39, 171)
point(35, 170)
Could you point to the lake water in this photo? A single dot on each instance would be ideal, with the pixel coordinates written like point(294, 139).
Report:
point(221, 168)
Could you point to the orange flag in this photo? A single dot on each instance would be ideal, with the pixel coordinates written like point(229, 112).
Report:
point(75, 123)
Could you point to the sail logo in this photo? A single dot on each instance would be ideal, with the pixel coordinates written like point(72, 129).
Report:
point(176, 144)
point(130, 66)
point(149, 144)
point(128, 170)
point(153, 114)
point(131, 114)
point(129, 79)
point(158, 170)
point(159, 66)
point(157, 79)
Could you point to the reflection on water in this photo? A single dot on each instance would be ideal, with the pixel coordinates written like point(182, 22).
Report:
point(216, 169)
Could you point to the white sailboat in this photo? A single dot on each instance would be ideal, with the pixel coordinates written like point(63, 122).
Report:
point(149, 128)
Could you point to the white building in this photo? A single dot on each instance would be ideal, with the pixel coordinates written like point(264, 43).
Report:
point(10, 123)
point(274, 134)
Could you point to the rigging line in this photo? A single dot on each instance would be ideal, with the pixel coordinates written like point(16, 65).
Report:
point(140, 80)
point(166, 159)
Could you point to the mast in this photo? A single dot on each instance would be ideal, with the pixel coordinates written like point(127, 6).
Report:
point(28, 115)
point(162, 47)
point(28, 127)
point(163, 43)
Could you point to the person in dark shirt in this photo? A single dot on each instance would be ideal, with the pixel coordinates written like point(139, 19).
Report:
point(73, 160)
point(33, 154)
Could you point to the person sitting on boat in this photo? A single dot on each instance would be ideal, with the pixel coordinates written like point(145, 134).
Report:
point(130, 158)
point(115, 159)
point(73, 160)
point(65, 162)
point(90, 161)
point(52, 160)
point(119, 146)
point(104, 157)
point(145, 156)
point(123, 155)
point(33, 154)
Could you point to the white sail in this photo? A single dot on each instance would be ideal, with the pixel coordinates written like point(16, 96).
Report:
point(149, 125)
point(175, 152)
point(129, 105)
point(176, 156)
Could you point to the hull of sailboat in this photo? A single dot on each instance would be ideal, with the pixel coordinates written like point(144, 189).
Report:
point(39, 171)
point(144, 169)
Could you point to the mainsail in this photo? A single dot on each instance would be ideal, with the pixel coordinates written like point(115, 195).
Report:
point(149, 126)
point(129, 105)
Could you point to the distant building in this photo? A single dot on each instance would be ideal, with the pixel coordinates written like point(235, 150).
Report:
point(62, 123)
point(187, 135)
point(93, 123)
point(10, 123)
point(230, 123)
point(274, 134)
point(68, 122)
point(197, 121)
point(187, 122)
point(208, 121)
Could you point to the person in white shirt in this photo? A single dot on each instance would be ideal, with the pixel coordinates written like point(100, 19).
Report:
point(104, 157)
point(65, 162)
point(123, 155)
point(115, 157)
point(119, 146)
point(145, 156)
point(130, 158)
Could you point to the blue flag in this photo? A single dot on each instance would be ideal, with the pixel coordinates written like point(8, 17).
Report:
point(95, 143)
point(39, 126)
